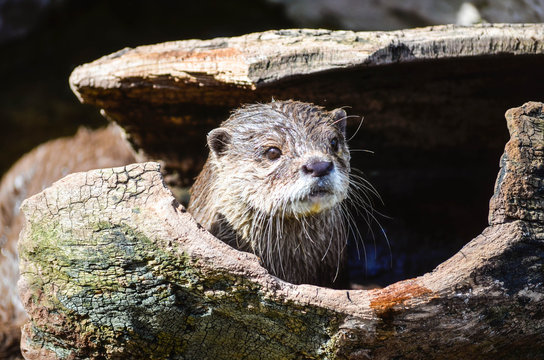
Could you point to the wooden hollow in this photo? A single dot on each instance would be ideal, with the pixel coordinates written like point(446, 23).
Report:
point(112, 266)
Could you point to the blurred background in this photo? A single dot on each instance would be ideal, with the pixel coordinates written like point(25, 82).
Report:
point(42, 41)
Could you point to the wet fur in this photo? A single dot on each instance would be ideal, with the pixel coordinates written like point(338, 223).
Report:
point(261, 206)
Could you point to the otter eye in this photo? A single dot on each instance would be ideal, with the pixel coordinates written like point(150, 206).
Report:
point(272, 153)
point(334, 144)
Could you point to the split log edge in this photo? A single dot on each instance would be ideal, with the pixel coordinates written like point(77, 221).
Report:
point(177, 90)
point(194, 71)
point(112, 266)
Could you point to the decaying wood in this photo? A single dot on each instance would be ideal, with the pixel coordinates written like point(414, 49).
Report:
point(432, 99)
point(113, 267)
point(194, 71)
point(88, 149)
point(168, 96)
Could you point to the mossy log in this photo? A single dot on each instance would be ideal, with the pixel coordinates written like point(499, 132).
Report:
point(49, 162)
point(113, 267)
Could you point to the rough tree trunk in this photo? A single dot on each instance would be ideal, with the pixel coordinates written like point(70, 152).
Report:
point(113, 267)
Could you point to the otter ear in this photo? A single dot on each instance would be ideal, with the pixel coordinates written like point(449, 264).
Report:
point(339, 117)
point(219, 140)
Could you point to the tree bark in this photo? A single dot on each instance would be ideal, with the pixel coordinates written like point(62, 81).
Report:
point(168, 96)
point(113, 267)
point(49, 162)
point(195, 70)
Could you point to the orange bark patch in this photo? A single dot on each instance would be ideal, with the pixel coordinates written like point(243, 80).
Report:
point(218, 55)
point(397, 294)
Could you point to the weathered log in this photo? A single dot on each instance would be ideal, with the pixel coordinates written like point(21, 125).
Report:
point(113, 267)
point(86, 150)
point(168, 96)
point(433, 100)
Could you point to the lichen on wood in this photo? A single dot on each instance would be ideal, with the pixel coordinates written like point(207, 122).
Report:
point(107, 288)
point(113, 267)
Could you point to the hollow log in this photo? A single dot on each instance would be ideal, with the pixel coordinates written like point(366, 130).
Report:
point(414, 87)
point(432, 100)
point(113, 267)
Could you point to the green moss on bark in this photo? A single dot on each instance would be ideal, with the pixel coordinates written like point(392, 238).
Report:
point(121, 295)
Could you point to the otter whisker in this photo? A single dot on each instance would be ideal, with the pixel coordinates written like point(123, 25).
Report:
point(359, 195)
point(285, 206)
point(370, 212)
point(364, 183)
point(344, 118)
point(361, 150)
point(354, 229)
point(357, 130)
point(327, 250)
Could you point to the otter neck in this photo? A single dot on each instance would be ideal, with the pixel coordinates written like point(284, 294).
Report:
point(299, 250)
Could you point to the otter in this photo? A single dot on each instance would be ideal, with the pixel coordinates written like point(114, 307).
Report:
point(274, 184)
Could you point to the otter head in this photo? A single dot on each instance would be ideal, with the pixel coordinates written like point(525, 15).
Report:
point(284, 158)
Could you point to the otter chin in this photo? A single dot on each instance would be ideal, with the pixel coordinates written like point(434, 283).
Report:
point(274, 185)
point(319, 198)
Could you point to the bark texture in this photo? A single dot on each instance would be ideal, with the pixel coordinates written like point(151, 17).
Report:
point(88, 149)
point(113, 267)
point(180, 90)
point(197, 68)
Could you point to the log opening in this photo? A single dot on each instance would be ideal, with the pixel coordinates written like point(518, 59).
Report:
point(437, 138)
point(113, 267)
point(433, 100)
point(109, 256)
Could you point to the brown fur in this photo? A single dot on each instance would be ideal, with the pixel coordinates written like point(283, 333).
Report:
point(88, 149)
point(265, 206)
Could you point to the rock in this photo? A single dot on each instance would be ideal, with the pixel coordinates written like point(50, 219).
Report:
point(113, 267)
point(34, 172)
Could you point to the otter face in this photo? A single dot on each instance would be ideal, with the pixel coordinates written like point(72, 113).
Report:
point(282, 158)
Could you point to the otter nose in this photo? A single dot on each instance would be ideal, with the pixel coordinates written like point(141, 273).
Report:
point(317, 168)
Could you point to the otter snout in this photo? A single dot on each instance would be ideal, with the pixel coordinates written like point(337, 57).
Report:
point(317, 168)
